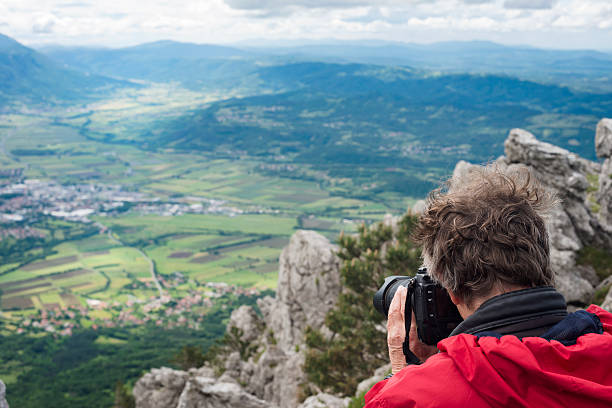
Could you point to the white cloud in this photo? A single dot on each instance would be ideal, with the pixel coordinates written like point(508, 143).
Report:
point(572, 23)
point(44, 24)
point(529, 4)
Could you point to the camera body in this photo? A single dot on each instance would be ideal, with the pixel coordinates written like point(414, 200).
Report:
point(436, 315)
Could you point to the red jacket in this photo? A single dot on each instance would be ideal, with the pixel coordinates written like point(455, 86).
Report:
point(477, 372)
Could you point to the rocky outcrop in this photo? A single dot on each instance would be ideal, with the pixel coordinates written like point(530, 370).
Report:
point(266, 371)
point(323, 400)
point(165, 387)
point(3, 403)
point(308, 287)
point(603, 145)
point(573, 224)
point(270, 369)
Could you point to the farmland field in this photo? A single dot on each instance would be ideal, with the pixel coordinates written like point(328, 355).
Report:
point(251, 208)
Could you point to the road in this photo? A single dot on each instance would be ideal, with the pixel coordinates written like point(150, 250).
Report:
point(149, 260)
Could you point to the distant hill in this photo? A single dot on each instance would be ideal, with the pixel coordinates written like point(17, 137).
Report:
point(585, 69)
point(198, 66)
point(386, 123)
point(194, 65)
point(26, 76)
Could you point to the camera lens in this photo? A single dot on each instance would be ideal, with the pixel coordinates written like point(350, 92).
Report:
point(384, 295)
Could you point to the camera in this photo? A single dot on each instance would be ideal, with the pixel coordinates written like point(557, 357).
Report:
point(436, 315)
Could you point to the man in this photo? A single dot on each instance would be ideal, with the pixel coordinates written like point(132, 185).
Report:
point(485, 241)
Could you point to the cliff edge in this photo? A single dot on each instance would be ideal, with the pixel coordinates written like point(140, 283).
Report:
point(267, 369)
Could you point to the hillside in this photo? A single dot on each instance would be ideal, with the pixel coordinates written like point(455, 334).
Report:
point(28, 77)
point(318, 342)
point(195, 66)
point(585, 69)
point(398, 128)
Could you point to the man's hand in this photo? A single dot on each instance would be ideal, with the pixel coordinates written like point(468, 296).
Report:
point(396, 333)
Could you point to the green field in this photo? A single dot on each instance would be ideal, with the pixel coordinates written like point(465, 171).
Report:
point(271, 201)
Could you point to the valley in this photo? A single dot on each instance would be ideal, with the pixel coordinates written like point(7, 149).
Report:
point(147, 192)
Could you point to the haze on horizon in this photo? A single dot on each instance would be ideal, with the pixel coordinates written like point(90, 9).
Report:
point(570, 24)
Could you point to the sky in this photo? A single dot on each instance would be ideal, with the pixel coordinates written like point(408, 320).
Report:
point(572, 24)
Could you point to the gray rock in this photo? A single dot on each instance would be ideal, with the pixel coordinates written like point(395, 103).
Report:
point(603, 138)
point(308, 287)
point(571, 284)
point(606, 283)
point(206, 392)
point(167, 388)
point(554, 166)
point(571, 226)
point(462, 173)
point(368, 383)
point(3, 403)
point(323, 400)
point(604, 195)
point(246, 320)
point(419, 207)
point(607, 303)
point(160, 388)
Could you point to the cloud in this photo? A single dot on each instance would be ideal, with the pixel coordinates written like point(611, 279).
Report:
point(277, 4)
point(44, 25)
point(379, 14)
point(567, 23)
point(75, 4)
point(529, 4)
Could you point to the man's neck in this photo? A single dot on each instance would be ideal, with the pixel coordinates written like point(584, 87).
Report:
point(467, 311)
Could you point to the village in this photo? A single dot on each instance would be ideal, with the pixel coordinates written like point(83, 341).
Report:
point(164, 312)
point(25, 201)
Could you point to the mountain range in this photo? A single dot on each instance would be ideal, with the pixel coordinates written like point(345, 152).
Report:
point(31, 78)
point(311, 104)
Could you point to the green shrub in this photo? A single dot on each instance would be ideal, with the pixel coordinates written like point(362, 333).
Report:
point(357, 345)
point(599, 259)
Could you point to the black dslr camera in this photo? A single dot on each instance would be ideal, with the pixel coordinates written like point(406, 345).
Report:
point(436, 315)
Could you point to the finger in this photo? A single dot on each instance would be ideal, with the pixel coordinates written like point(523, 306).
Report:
point(398, 305)
point(396, 330)
point(413, 326)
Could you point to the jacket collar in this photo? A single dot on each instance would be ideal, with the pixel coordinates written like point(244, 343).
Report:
point(514, 308)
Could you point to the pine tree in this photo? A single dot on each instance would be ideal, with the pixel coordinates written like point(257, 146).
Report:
point(123, 398)
point(189, 357)
point(357, 346)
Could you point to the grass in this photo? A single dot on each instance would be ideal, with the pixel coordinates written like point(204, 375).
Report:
point(183, 177)
point(599, 259)
point(81, 278)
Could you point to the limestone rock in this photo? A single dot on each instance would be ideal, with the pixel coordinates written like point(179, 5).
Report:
point(3, 403)
point(368, 383)
point(167, 388)
point(554, 166)
point(461, 173)
point(604, 195)
point(603, 138)
point(246, 320)
point(162, 387)
point(607, 303)
point(323, 400)
point(206, 392)
point(571, 226)
point(419, 207)
point(308, 287)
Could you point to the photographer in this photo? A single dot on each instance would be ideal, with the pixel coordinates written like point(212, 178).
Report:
point(485, 242)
